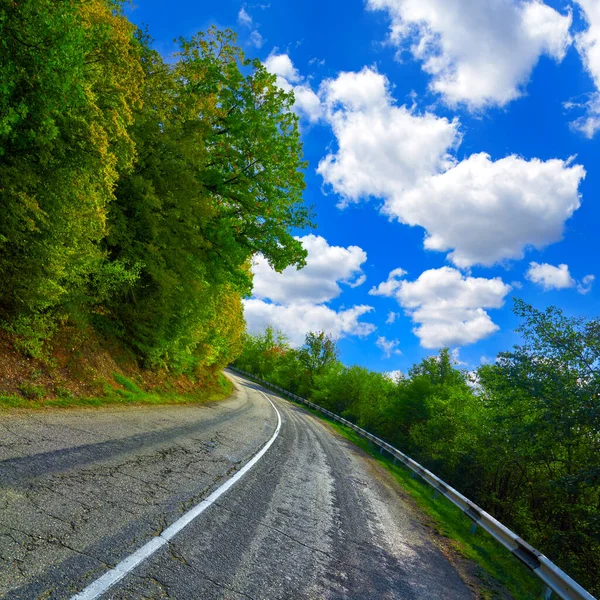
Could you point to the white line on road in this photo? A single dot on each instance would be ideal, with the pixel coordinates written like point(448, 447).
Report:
point(98, 587)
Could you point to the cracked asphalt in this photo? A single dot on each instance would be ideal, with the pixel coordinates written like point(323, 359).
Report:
point(80, 490)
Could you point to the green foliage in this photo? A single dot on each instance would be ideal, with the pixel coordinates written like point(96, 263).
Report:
point(135, 193)
point(524, 443)
point(217, 180)
point(31, 333)
point(543, 418)
point(32, 391)
point(127, 383)
point(69, 79)
point(66, 399)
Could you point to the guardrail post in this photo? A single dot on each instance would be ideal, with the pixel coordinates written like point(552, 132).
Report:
point(413, 475)
point(395, 459)
point(436, 493)
point(381, 450)
point(547, 593)
point(474, 527)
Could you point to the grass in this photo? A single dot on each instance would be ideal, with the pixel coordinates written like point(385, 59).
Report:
point(128, 394)
point(494, 562)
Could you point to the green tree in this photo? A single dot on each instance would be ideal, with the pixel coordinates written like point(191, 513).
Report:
point(69, 81)
point(544, 414)
point(218, 179)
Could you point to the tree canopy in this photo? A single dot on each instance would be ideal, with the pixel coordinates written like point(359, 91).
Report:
point(134, 192)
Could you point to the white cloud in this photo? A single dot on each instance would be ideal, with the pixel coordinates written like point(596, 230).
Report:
point(318, 281)
point(382, 148)
point(388, 347)
point(306, 102)
point(390, 318)
point(478, 52)
point(282, 66)
point(557, 278)
point(256, 38)
point(480, 210)
point(394, 376)
point(585, 285)
point(294, 300)
point(358, 282)
point(390, 286)
point(549, 276)
point(455, 354)
point(244, 18)
point(448, 307)
point(588, 45)
point(486, 211)
point(296, 320)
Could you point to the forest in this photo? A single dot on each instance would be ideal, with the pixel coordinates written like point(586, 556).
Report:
point(135, 193)
point(520, 437)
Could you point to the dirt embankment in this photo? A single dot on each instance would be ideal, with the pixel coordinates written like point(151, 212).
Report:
point(80, 364)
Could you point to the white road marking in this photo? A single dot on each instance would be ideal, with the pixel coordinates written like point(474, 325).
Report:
point(98, 587)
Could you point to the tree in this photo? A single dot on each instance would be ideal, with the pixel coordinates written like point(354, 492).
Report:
point(69, 81)
point(544, 409)
point(318, 353)
point(217, 180)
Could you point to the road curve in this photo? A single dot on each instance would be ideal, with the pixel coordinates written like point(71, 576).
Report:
point(82, 490)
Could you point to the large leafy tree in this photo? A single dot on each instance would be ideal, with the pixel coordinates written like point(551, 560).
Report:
point(69, 80)
point(543, 420)
point(218, 179)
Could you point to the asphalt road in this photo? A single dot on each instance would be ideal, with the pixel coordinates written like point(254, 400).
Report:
point(81, 490)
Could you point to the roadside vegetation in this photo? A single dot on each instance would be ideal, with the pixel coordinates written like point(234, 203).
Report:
point(120, 391)
point(134, 193)
point(520, 437)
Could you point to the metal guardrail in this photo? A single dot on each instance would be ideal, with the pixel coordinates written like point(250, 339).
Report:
point(556, 579)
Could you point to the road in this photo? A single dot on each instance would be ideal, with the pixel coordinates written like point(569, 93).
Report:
point(81, 490)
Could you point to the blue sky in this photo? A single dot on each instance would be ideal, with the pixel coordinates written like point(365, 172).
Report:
point(451, 142)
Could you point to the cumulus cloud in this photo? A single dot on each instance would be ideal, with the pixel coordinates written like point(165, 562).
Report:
point(318, 281)
point(296, 320)
point(479, 52)
point(587, 43)
point(306, 102)
point(382, 148)
point(487, 211)
point(294, 300)
point(585, 285)
point(549, 276)
point(390, 318)
point(390, 286)
point(481, 211)
point(282, 66)
point(447, 307)
point(394, 376)
point(388, 347)
point(557, 278)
